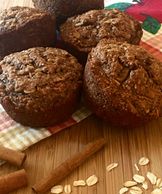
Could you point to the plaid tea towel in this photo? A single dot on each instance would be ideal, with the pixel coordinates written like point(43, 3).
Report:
point(18, 137)
point(149, 12)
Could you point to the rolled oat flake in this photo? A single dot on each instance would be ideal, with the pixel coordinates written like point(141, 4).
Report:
point(92, 180)
point(57, 189)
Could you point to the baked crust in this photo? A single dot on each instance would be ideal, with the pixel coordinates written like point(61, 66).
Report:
point(63, 9)
point(83, 32)
point(40, 86)
point(23, 27)
point(123, 84)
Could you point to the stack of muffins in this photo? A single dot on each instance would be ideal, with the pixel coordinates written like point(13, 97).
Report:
point(41, 86)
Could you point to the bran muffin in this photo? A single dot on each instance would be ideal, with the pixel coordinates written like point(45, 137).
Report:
point(83, 32)
point(123, 84)
point(23, 27)
point(63, 9)
point(40, 87)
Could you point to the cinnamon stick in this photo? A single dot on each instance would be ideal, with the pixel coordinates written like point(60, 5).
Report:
point(13, 181)
point(68, 166)
point(12, 156)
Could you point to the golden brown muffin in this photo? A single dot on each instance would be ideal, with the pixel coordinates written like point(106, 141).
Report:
point(84, 32)
point(123, 84)
point(40, 87)
point(23, 27)
point(63, 9)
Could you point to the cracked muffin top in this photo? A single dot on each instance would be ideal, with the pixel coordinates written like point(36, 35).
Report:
point(83, 32)
point(15, 17)
point(124, 78)
point(39, 78)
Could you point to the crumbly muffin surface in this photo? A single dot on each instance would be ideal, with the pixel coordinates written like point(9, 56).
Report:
point(63, 9)
point(39, 78)
point(84, 31)
point(123, 80)
point(14, 17)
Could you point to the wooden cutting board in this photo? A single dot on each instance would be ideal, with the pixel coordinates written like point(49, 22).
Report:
point(124, 147)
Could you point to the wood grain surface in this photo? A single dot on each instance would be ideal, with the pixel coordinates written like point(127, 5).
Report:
point(124, 146)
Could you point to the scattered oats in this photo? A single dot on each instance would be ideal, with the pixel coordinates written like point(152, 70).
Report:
point(152, 178)
point(67, 188)
point(159, 182)
point(143, 161)
point(79, 183)
point(136, 190)
point(130, 183)
point(80, 23)
point(136, 167)
point(156, 191)
point(111, 166)
point(145, 185)
point(57, 189)
point(138, 178)
point(92, 180)
point(28, 91)
point(123, 190)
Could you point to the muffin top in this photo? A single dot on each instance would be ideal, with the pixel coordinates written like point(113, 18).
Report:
point(63, 9)
point(84, 31)
point(39, 78)
point(126, 78)
point(15, 17)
